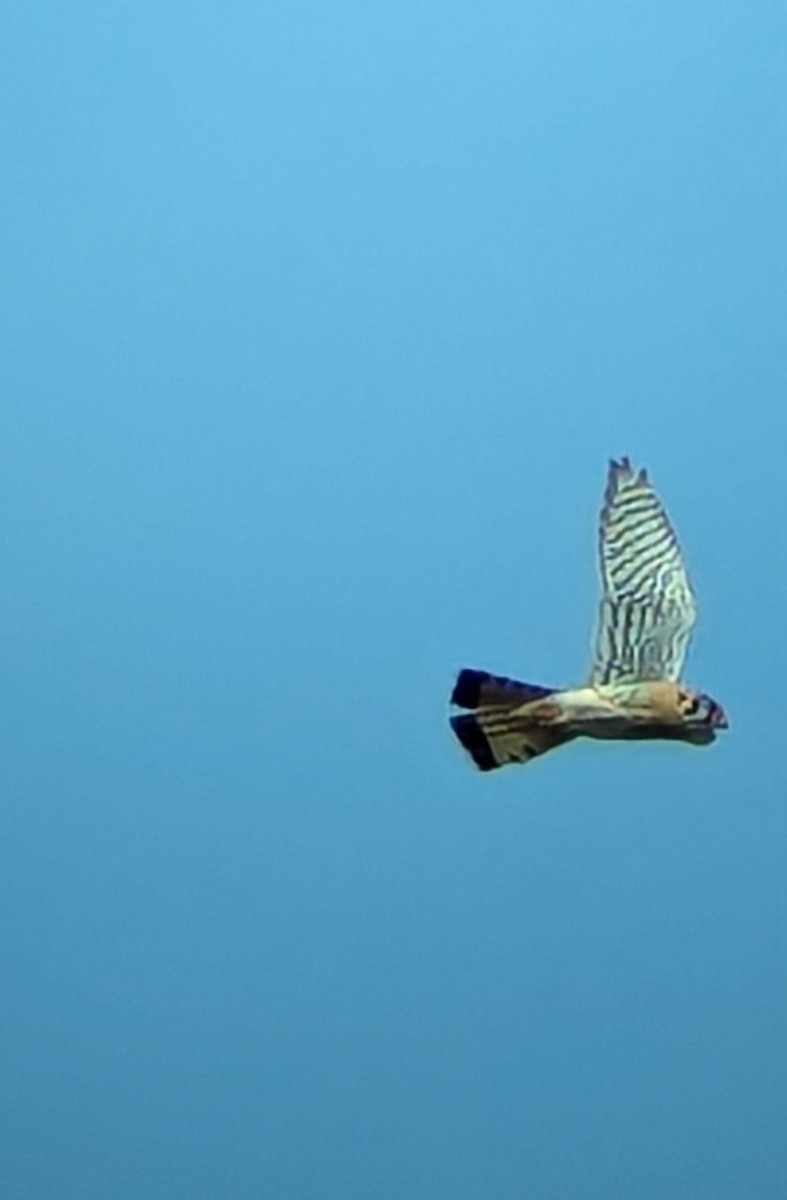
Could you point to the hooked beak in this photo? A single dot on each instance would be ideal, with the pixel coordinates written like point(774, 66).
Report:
point(719, 718)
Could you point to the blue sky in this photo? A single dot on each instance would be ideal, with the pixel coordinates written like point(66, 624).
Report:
point(320, 323)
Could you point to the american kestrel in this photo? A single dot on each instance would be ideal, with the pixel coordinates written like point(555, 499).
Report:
point(645, 620)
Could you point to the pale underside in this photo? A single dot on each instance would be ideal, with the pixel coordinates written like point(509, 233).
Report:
point(647, 608)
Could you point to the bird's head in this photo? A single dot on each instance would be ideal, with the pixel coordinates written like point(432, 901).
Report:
point(701, 712)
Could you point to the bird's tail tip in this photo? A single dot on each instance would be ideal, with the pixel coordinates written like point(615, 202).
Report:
point(496, 731)
point(473, 689)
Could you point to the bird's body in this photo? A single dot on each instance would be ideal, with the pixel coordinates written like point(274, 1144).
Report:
point(634, 691)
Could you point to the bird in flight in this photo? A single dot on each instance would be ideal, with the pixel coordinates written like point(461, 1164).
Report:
point(634, 690)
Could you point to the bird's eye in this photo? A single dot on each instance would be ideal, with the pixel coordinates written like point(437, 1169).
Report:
point(692, 706)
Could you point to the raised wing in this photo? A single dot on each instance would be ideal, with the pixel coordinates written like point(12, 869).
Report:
point(647, 606)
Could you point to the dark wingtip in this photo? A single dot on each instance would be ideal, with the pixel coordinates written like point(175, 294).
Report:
point(473, 738)
point(622, 474)
point(622, 467)
point(619, 468)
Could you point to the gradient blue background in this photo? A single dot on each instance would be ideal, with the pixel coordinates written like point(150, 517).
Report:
point(320, 322)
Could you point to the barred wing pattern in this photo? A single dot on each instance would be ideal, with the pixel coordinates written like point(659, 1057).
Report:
point(647, 607)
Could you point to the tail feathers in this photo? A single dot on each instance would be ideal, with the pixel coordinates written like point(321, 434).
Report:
point(495, 737)
point(474, 689)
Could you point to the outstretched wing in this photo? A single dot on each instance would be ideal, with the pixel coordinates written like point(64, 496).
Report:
point(647, 607)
